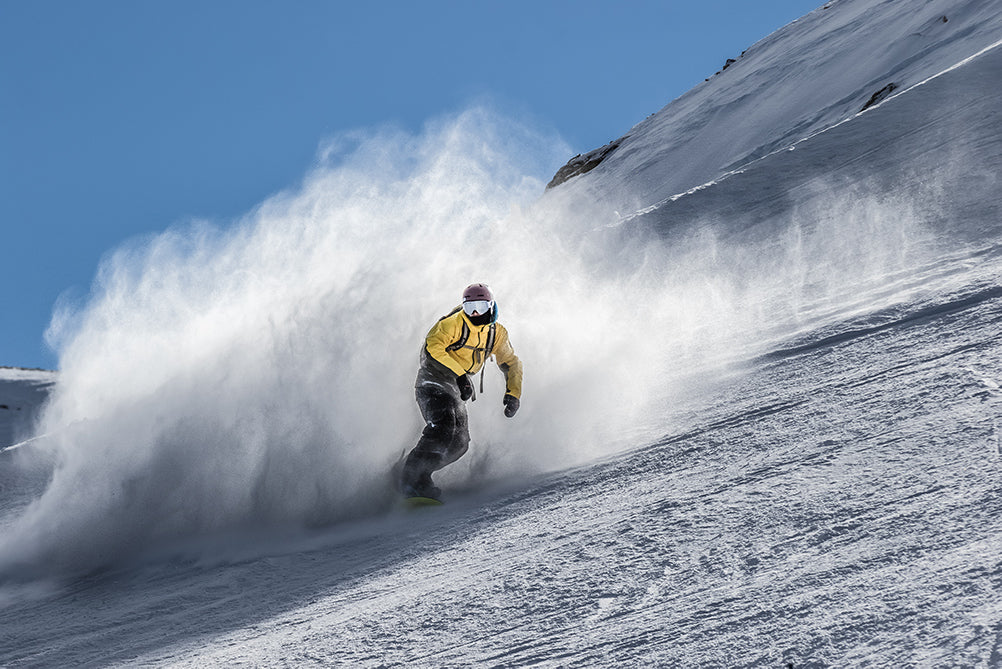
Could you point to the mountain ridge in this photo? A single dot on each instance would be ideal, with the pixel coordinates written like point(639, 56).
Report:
point(849, 62)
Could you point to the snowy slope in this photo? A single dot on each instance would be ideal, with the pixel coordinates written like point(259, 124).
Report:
point(822, 379)
point(815, 72)
point(838, 506)
point(22, 391)
point(23, 471)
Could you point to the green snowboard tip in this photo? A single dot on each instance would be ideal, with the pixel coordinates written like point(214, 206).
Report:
point(418, 502)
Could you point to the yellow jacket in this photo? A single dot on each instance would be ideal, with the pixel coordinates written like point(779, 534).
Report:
point(469, 358)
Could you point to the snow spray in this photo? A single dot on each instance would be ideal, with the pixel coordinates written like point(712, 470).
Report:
point(260, 375)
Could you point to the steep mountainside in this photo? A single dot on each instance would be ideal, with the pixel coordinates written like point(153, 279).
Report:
point(817, 71)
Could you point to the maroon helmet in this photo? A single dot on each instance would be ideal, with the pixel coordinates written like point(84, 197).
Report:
point(477, 291)
point(478, 300)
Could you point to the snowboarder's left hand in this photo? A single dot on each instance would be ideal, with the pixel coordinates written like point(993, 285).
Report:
point(510, 405)
point(465, 387)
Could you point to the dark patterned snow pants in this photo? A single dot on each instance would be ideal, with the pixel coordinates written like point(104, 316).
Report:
point(445, 438)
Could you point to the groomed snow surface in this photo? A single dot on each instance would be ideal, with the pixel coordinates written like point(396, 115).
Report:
point(808, 476)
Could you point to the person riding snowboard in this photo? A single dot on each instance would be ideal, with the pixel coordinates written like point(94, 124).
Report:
point(456, 347)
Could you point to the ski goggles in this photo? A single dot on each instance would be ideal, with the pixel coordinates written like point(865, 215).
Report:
point(478, 307)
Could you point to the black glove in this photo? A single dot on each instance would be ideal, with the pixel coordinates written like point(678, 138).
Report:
point(465, 387)
point(510, 405)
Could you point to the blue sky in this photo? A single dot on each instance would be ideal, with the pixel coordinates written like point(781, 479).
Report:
point(121, 118)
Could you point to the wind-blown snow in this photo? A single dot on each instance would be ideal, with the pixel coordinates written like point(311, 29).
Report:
point(261, 377)
point(761, 415)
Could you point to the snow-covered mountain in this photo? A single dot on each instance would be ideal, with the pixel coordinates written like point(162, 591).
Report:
point(761, 423)
point(803, 79)
point(22, 392)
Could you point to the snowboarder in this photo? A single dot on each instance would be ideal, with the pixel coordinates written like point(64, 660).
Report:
point(456, 347)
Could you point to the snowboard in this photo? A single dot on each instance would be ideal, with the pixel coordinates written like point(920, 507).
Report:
point(420, 502)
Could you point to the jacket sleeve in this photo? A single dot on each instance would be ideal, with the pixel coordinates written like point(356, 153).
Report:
point(508, 362)
point(441, 335)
